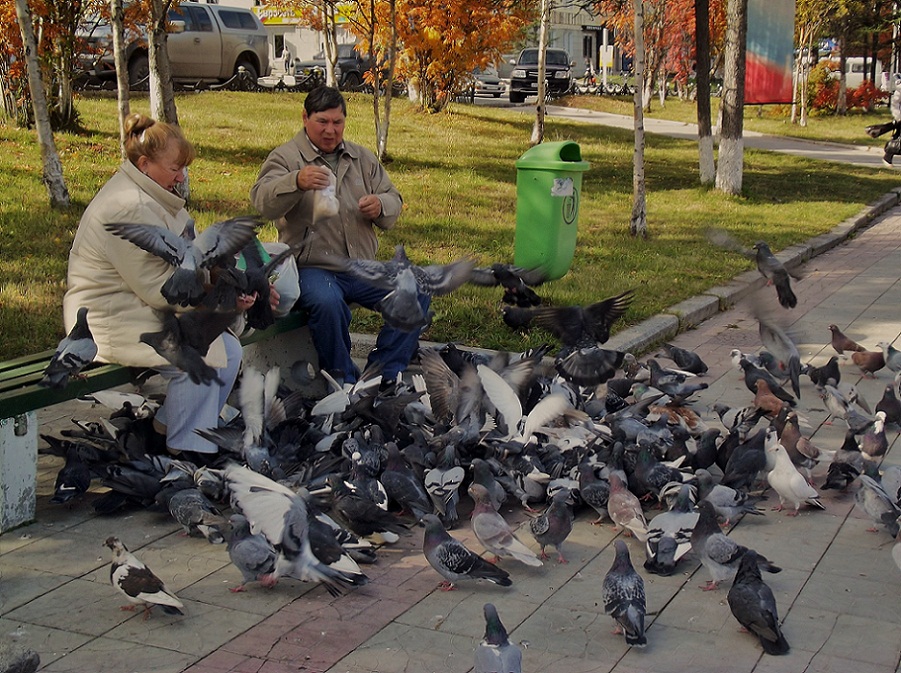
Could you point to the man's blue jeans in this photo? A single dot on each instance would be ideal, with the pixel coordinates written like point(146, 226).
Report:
point(325, 295)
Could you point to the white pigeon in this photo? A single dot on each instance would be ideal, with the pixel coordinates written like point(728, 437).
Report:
point(784, 478)
point(137, 583)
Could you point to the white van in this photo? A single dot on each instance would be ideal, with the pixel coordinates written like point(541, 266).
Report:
point(855, 73)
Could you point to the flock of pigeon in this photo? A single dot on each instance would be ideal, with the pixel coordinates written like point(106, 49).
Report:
point(316, 488)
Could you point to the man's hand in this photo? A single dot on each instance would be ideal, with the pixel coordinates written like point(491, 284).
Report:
point(370, 206)
point(273, 297)
point(312, 177)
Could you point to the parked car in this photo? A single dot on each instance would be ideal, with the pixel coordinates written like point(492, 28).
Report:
point(487, 83)
point(524, 78)
point(205, 43)
point(349, 69)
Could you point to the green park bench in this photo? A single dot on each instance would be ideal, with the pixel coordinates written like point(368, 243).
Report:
point(21, 397)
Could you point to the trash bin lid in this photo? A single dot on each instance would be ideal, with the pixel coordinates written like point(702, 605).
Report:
point(564, 155)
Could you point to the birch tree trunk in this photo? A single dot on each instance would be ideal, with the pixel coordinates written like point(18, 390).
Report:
point(538, 126)
point(638, 222)
point(162, 94)
point(706, 162)
point(52, 168)
point(730, 168)
point(381, 125)
point(122, 90)
point(330, 33)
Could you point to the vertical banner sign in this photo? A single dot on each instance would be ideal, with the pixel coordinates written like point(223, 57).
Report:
point(770, 51)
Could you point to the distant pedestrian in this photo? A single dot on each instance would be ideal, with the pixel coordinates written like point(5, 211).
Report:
point(286, 55)
point(893, 146)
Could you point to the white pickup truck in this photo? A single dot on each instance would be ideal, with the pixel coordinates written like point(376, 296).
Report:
point(205, 42)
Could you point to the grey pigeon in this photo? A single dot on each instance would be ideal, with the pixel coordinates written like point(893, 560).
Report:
point(718, 552)
point(363, 516)
point(401, 307)
point(73, 479)
point(453, 561)
point(191, 257)
point(685, 359)
point(193, 510)
point(496, 654)
point(403, 486)
point(593, 490)
point(494, 533)
point(669, 535)
point(281, 516)
point(776, 274)
point(442, 483)
point(482, 474)
point(820, 376)
point(728, 503)
point(175, 345)
point(76, 351)
point(892, 356)
point(516, 281)
point(575, 326)
point(890, 405)
point(250, 553)
point(872, 499)
point(624, 599)
point(554, 525)
point(752, 603)
point(134, 580)
point(778, 342)
point(874, 443)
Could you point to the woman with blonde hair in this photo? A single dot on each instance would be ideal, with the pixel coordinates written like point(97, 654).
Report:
point(119, 283)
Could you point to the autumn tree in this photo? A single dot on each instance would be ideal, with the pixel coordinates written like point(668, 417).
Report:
point(441, 43)
point(54, 24)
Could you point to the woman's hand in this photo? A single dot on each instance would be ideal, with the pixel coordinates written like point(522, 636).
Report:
point(245, 301)
point(274, 297)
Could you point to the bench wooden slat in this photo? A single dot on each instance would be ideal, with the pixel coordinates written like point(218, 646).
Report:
point(20, 392)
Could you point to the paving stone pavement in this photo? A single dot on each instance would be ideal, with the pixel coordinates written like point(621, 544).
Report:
point(837, 594)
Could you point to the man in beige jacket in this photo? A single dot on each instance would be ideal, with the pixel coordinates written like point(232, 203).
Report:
point(289, 190)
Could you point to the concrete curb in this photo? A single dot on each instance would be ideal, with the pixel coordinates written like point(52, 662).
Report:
point(644, 336)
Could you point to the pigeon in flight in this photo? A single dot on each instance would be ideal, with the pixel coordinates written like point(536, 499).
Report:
point(624, 598)
point(516, 281)
point(190, 255)
point(776, 274)
point(401, 307)
point(453, 561)
point(137, 583)
point(74, 353)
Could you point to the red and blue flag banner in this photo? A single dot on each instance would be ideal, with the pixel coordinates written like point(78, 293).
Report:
point(770, 51)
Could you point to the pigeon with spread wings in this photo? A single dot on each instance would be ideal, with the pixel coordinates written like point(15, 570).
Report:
point(189, 255)
point(402, 307)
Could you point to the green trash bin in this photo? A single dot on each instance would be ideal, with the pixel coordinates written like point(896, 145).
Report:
point(548, 185)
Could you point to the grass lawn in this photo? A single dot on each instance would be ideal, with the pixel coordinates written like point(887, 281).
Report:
point(456, 173)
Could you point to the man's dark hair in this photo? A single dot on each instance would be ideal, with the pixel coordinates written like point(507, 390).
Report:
point(324, 98)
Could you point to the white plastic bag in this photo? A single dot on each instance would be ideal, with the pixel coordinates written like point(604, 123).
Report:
point(287, 284)
point(325, 201)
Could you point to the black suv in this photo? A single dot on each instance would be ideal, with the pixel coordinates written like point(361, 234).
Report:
point(524, 78)
point(348, 71)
